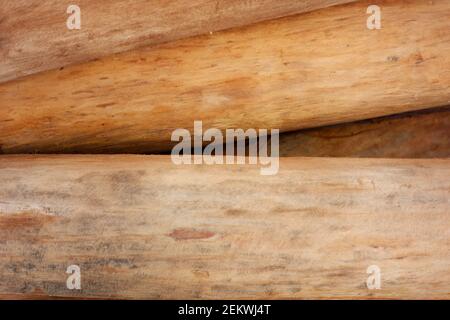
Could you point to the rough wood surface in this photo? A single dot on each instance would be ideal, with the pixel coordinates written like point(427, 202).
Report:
point(419, 134)
point(141, 227)
point(34, 36)
point(309, 70)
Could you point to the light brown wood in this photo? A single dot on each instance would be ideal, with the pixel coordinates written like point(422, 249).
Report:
point(141, 227)
point(419, 134)
point(34, 36)
point(319, 68)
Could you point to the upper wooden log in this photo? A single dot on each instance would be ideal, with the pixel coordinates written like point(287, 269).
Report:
point(142, 227)
point(319, 68)
point(34, 35)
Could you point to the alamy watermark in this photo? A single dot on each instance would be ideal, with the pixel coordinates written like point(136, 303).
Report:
point(74, 280)
point(374, 20)
point(213, 153)
point(374, 278)
point(74, 20)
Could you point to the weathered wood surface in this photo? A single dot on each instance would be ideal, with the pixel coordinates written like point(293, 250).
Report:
point(34, 36)
point(314, 69)
point(141, 227)
point(419, 134)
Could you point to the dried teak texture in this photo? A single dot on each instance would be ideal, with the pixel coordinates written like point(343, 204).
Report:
point(142, 227)
point(34, 36)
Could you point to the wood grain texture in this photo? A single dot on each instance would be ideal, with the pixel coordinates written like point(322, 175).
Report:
point(141, 227)
point(419, 134)
point(34, 36)
point(320, 68)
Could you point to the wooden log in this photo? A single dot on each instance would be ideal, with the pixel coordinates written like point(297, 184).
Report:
point(320, 68)
point(419, 134)
point(142, 227)
point(34, 35)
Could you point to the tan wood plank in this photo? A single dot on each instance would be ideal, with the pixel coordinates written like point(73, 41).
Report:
point(141, 227)
point(34, 36)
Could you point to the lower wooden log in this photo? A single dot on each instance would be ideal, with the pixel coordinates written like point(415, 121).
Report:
point(142, 227)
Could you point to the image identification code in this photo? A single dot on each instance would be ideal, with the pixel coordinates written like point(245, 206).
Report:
point(226, 309)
